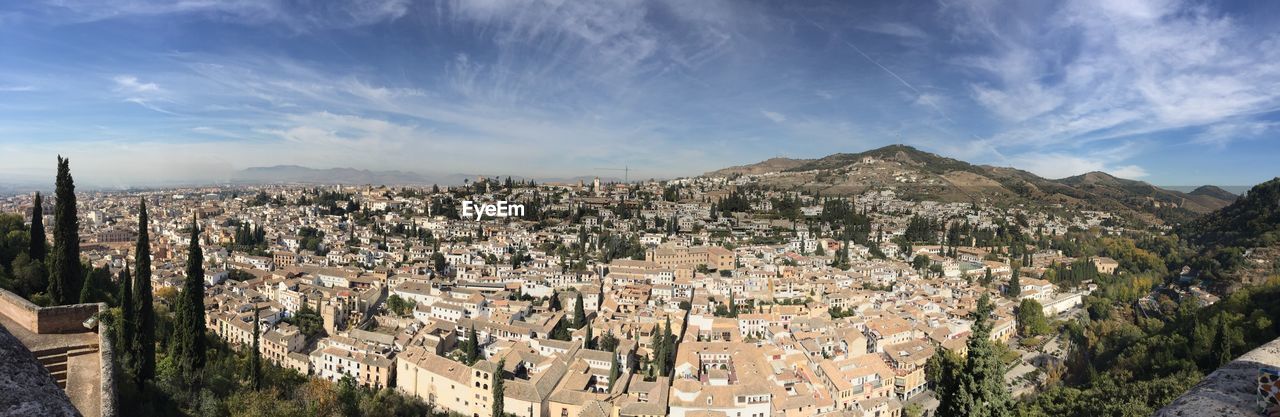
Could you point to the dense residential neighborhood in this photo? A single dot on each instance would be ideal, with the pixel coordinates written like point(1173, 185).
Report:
point(704, 296)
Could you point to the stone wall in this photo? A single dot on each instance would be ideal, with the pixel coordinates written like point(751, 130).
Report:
point(46, 320)
point(106, 348)
point(19, 310)
point(1230, 391)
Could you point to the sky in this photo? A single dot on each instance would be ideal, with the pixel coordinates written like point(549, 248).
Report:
point(140, 92)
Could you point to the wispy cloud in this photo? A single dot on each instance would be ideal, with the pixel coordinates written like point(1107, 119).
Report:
point(774, 116)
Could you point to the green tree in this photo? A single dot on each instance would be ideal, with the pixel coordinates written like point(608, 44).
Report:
point(659, 346)
point(399, 305)
point(498, 390)
point(255, 364)
point(93, 282)
point(144, 334)
point(1014, 288)
point(439, 263)
point(188, 345)
point(126, 323)
point(473, 346)
point(579, 313)
point(30, 275)
point(37, 245)
point(64, 285)
point(554, 303)
point(1031, 319)
point(979, 389)
point(588, 341)
point(615, 370)
point(608, 342)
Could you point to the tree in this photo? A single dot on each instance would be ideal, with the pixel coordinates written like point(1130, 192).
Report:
point(614, 370)
point(979, 389)
point(398, 305)
point(126, 324)
point(188, 346)
point(608, 342)
point(473, 346)
point(554, 303)
point(498, 390)
point(64, 285)
point(37, 245)
point(1031, 320)
point(144, 335)
point(255, 363)
point(579, 313)
point(1014, 289)
point(920, 262)
point(439, 263)
point(588, 341)
point(92, 282)
point(659, 345)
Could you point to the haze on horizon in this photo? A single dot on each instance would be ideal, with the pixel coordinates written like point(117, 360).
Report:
point(144, 93)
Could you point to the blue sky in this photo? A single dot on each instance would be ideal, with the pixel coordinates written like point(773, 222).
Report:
point(139, 92)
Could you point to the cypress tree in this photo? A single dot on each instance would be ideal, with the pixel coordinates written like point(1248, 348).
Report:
point(256, 361)
point(89, 289)
point(144, 334)
point(38, 246)
point(126, 325)
point(579, 313)
point(1015, 285)
point(979, 389)
point(187, 348)
point(588, 341)
point(498, 389)
point(64, 283)
point(472, 346)
point(614, 370)
point(659, 345)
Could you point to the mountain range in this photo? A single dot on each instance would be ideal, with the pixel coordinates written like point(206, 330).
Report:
point(917, 175)
point(293, 174)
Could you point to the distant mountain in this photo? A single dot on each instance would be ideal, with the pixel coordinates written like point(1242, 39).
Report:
point(1214, 192)
point(918, 175)
point(293, 174)
point(768, 165)
point(348, 176)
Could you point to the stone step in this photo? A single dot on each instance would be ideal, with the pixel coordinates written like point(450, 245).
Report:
point(56, 367)
point(51, 359)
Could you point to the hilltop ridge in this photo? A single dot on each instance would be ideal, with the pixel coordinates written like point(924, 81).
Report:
point(921, 175)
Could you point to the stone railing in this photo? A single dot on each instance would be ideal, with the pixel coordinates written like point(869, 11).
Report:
point(46, 320)
point(1230, 391)
point(107, 348)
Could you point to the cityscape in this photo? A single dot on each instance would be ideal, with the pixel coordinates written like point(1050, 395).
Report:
point(232, 230)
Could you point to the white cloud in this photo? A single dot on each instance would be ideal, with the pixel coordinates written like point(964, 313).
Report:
point(1060, 165)
point(130, 84)
point(1106, 70)
point(774, 116)
point(1225, 133)
point(904, 30)
point(296, 16)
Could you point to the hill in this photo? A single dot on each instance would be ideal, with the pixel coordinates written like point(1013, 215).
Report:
point(1239, 244)
point(766, 166)
point(917, 175)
